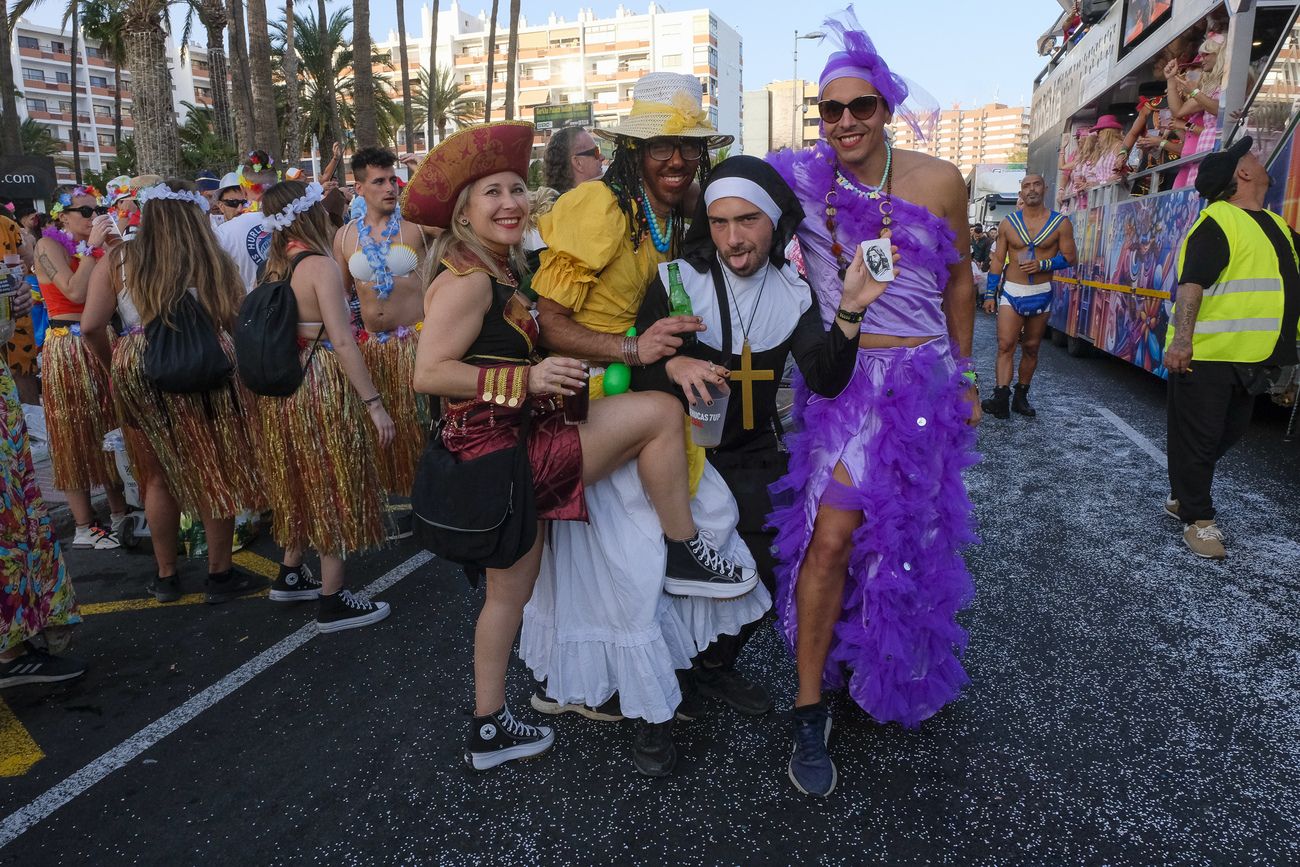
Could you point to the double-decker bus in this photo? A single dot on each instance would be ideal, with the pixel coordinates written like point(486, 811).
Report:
point(1129, 230)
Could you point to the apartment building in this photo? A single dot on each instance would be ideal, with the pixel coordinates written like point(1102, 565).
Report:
point(42, 65)
point(968, 137)
point(588, 59)
point(781, 113)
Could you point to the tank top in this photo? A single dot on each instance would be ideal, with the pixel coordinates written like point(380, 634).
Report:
point(509, 332)
point(56, 303)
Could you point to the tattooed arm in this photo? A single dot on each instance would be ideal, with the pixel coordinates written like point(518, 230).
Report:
point(1178, 357)
point(52, 264)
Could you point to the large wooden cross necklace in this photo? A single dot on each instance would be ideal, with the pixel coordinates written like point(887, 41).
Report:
point(747, 375)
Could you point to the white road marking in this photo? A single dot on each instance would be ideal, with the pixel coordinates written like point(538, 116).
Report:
point(29, 816)
point(1138, 439)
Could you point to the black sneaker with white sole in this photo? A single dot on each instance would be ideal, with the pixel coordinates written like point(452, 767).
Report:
point(401, 527)
point(609, 711)
point(224, 586)
point(347, 610)
point(499, 738)
point(295, 584)
point(37, 666)
point(695, 568)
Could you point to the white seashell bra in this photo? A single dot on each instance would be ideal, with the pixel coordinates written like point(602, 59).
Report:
point(401, 260)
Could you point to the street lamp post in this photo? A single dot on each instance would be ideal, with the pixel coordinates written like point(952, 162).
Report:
point(797, 87)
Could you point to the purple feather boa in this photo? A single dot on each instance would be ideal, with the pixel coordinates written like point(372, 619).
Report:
point(926, 247)
point(900, 428)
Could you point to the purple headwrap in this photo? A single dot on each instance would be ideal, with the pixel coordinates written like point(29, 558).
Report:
point(857, 58)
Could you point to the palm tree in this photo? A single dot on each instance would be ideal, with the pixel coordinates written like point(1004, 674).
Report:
point(408, 121)
point(441, 104)
point(212, 15)
point(433, 64)
point(102, 21)
point(240, 91)
point(330, 133)
point(492, 56)
point(71, 14)
point(266, 132)
point(512, 59)
point(156, 141)
point(11, 143)
point(293, 126)
point(201, 144)
point(326, 73)
point(38, 140)
point(365, 130)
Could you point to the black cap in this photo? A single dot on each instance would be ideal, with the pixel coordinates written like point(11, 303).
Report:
point(1218, 168)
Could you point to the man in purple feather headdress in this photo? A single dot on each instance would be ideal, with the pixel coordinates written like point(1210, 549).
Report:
point(873, 513)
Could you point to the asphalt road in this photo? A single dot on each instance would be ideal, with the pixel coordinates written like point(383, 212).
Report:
point(1130, 703)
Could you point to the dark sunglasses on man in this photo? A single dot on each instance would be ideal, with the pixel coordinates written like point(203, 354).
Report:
point(594, 153)
point(661, 149)
point(88, 211)
point(233, 203)
point(863, 108)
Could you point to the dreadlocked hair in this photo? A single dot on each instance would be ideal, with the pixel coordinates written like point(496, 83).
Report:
point(623, 177)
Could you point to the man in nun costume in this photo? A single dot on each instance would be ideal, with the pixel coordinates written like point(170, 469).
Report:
point(758, 312)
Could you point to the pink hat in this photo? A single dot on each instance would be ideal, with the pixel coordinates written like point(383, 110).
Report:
point(1107, 121)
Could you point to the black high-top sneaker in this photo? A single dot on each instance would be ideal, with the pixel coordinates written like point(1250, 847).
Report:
point(997, 405)
point(653, 752)
point(295, 584)
point(1020, 403)
point(695, 568)
point(499, 737)
point(348, 610)
point(221, 587)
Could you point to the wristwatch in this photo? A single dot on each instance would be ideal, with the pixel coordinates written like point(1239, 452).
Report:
point(849, 316)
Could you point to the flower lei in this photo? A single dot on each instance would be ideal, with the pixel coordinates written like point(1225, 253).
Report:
point(162, 191)
point(54, 233)
point(376, 252)
point(85, 251)
point(302, 204)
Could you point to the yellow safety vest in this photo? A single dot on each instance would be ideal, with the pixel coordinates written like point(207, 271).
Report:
point(1241, 313)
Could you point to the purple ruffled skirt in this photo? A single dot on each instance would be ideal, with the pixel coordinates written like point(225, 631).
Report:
point(900, 430)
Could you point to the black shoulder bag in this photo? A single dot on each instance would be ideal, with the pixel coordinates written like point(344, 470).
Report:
point(480, 513)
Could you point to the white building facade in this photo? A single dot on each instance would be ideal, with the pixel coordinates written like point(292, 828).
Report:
point(589, 59)
point(42, 65)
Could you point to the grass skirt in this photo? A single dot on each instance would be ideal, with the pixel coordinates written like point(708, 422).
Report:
point(35, 590)
point(317, 459)
point(203, 442)
point(77, 413)
point(390, 358)
point(900, 430)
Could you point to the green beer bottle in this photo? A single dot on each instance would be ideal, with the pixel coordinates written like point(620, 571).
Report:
point(679, 303)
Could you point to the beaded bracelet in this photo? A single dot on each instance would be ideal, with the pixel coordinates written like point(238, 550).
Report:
point(506, 385)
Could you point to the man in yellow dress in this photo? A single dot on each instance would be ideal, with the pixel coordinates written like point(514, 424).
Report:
point(600, 632)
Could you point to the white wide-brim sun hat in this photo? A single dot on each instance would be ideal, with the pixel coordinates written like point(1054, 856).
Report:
point(667, 104)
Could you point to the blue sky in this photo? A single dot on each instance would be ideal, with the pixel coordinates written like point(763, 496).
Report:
point(959, 50)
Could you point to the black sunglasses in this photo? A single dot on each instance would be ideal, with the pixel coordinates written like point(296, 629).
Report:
point(87, 211)
point(594, 153)
point(233, 203)
point(662, 148)
point(863, 108)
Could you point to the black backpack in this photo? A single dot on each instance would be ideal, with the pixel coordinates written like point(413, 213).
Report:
point(186, 356)
point(266, 337)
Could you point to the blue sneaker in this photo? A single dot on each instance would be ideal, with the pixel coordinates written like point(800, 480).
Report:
point(811, 768)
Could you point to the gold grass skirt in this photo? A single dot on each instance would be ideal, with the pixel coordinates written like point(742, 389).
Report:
point(318, 460)
point(390, 358)
point(77, 412)
point(204, 442)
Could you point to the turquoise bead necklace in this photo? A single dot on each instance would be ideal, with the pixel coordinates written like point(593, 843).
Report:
point(662, 240)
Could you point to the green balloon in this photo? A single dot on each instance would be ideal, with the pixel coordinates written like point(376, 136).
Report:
point(618, 377)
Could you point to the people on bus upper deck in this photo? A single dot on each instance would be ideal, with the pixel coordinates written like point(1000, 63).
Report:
point(1150, 142)
point(1194, 97)
point(1081, 174)
point(1108, 156)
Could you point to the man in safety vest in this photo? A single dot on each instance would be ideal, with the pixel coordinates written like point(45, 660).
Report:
point(1234, 323)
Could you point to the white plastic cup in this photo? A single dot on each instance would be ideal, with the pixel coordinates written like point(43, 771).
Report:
point(707, 421)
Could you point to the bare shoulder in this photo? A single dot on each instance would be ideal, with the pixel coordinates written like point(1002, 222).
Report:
point(413, 235)
point(317, 269)
point(925, 170)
